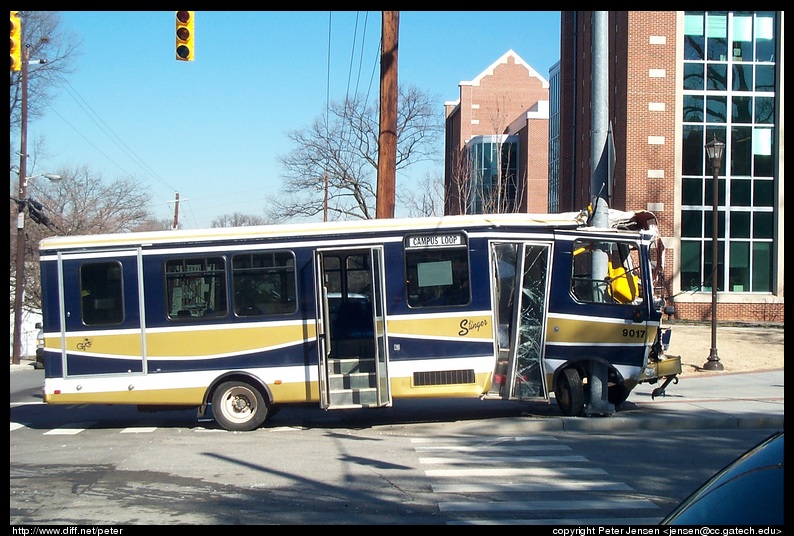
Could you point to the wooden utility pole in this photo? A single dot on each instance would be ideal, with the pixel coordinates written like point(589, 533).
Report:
point(387, 139)
point(175, 225)
point(176, 211)
point(19, 275)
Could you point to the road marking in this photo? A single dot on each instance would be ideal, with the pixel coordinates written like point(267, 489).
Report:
point(560, 521)
point(504, 459)
point(69, 430)
point(540, 506)
point(513, 487)
point(516, 471)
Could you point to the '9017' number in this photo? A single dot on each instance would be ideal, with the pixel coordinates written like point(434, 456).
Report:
point(634, 333)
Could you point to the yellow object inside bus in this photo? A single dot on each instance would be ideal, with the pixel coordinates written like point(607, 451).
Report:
point(623, 286)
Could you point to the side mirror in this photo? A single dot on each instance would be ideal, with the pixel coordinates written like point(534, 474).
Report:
point(669, 310)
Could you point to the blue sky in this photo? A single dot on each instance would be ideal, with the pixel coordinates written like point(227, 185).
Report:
point(213, 129)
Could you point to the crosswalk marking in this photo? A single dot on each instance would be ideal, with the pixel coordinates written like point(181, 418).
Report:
point(561, 521)
point(69, 430)
point(517, 460)
point(139, 430)
point(507, 468)
point(515, 471)
point(545, 505)
point(513, 487)
point(490, 441)
point(487, 449)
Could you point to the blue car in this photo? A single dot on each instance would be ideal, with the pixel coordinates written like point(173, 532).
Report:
point(749, 491)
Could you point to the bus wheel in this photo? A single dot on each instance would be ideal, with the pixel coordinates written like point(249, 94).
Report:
point(617, 394)
point(238, 407)
point(569, 393)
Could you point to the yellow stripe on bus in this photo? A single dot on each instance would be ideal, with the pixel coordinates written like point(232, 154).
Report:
point(187, 342)
point(470, 327)
point(586, 331)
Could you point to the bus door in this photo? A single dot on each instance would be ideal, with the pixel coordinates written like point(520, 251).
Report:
point(521, 295)
point(100, 313)
point(351, 328)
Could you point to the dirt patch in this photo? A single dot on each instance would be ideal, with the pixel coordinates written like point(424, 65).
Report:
point(739, 348)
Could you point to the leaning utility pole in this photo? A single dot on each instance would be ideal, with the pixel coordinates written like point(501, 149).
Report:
point(387, 139)
point(19, 292)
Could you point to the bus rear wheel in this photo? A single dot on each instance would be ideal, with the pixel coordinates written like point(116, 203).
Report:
point(569, 393)
point(238, 407)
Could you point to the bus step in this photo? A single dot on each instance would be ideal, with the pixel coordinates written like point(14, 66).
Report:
point(351, 365)
point(346, 397)
point(358, 380)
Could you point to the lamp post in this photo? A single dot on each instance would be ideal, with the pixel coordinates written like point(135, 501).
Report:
point(714, 151)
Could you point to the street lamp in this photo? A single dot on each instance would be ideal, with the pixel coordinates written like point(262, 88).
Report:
point(714, 151)
point(19, 291)
point(51, 176)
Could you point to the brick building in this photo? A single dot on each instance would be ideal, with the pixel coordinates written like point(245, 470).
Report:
point(496, 154)
point(676, 81)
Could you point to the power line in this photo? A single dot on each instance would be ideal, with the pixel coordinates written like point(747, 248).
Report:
point(110, 133)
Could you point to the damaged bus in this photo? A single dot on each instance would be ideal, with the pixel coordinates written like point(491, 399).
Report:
point(238, 322)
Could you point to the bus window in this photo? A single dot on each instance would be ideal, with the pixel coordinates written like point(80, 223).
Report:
point(621, 281)
point(263, 283)
point(195, 287)
point(100, 291)
point(437, 277)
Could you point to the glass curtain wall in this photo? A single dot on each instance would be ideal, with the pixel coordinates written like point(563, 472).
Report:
point(494, 167)
point(729, 92)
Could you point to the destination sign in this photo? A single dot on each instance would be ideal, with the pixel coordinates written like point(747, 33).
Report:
point(435, 241)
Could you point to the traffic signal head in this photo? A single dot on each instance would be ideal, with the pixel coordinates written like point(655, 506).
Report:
point(184, 35)
point(16, 41)
point(36, 210)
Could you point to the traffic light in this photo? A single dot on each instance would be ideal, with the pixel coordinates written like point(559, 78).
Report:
point(184, 35)
point(16, 41)
point(37, 212)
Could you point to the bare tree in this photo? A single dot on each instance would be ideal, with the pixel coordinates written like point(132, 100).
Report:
point(82, 203)
point(335, 162)
point(43, 33)
point(238, 219)
point(428, 199)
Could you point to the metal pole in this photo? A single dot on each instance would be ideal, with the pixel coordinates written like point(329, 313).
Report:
point(598, 374)
point(19, 277)
point(713, 362)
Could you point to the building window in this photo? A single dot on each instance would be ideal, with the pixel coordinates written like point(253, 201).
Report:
point(493, 186)
point(729, 92)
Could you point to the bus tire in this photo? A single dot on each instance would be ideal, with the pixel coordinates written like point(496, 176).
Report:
point(617, 394)
point(238, 407)
point(569, 393)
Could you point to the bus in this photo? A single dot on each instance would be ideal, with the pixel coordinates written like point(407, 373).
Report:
point(239, 322)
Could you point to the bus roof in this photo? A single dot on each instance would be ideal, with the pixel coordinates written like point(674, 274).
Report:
point(569, 220)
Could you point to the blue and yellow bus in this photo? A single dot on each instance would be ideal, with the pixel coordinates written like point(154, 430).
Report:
point(238, 322)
